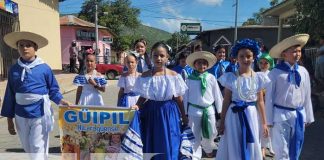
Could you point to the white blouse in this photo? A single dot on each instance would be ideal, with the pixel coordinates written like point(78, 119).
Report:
point(160, 88)
point(193, 95)
point(284, 93)
point(127, 83)
point(244, 88)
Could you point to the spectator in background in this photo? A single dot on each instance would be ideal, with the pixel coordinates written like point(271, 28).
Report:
point(73, 56)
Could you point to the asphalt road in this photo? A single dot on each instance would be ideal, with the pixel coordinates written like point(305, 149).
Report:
point(313, 148)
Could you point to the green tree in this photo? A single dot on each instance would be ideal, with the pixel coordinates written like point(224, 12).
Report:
point(250, 21)
point(309, 17)
point(274, 2)
point(114, 15)
point(257, 18)
point(177, 39)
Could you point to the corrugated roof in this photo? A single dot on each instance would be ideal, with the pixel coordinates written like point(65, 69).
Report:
point(70, 20)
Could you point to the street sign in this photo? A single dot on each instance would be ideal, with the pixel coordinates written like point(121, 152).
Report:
point(107, 39)
point(190, 28)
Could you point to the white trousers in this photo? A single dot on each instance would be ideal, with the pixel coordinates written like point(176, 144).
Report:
point(33, 136)
point(281, 134)
point(207, 144)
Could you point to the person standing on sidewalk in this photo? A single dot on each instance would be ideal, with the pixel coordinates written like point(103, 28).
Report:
point(73, 56)
point(288, 98)
point(31, 85)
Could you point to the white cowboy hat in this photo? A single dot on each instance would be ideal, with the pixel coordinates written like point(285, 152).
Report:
point(209, 57)
point(299, 39)
point(12, 38)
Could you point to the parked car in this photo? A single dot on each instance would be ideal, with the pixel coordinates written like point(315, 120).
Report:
point(110, 70)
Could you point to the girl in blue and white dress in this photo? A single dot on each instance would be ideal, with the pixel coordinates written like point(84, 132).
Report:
point(126, 82)
point(161, 106)
point(90, 84)
point(239, 118)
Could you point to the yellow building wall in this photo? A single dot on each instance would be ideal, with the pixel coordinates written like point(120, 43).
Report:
point(42, 17)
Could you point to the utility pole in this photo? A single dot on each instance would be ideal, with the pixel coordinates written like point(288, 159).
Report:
point(235, 31)
point(97, 34)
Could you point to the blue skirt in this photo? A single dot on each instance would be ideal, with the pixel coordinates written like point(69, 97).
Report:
point(160, 129)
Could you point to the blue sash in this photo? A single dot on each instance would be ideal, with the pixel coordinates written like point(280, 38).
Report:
point(123, 101)
point(292, 73)
point(297, 140)
point(247, 136)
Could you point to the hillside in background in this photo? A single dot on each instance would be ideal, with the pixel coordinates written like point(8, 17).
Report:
point(151, 35)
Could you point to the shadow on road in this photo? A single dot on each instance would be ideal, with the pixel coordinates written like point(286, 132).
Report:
point(20, 150)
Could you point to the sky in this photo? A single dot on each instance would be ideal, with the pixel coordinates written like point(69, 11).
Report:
point(168, 14)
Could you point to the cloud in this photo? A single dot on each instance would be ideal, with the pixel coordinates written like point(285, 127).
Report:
point(172, 24)
point(147, 24)
point(211, 2)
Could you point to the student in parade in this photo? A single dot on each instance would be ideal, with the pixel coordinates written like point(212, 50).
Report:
point(183, 68)
point(288, 100)
point(126, 82)
point(239, 117)
point(266, 63)
point(90, 84)
point(220, 66)
point(233, 66)
point(143, 62)
point(31, 85)
point(161, 106)
point(200, 98)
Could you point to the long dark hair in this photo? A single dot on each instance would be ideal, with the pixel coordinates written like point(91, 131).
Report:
point(146, 54)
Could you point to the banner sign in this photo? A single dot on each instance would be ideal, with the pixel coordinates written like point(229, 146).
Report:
point(9, 6)
point(190, 28)
point(92, 132)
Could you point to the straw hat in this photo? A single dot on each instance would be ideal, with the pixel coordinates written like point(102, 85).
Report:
point(209, 57)
point(12, 38)
point(299, 39)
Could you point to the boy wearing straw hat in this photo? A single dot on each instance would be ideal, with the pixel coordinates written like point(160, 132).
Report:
point(199, 101)
point(288, 99)
point(31, 85)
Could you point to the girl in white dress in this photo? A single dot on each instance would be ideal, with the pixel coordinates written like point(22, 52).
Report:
point(90, 84)
point(161, 107)
point(239, 117)
point(126, 82)
point(266, 63)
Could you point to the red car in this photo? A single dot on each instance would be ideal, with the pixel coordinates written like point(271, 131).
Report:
point(110, 70)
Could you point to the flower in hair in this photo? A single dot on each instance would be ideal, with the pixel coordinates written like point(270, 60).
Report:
point(246, 43)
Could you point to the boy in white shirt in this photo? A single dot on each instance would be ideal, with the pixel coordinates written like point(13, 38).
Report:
point(199, 101)
point(288, 99)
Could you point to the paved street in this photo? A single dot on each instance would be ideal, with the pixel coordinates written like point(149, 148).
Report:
point(313, 147)
point(10, 143)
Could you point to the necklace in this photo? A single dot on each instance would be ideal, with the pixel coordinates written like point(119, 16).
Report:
point(252, 87)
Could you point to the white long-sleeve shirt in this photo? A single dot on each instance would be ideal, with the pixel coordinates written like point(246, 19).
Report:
point(283, 93)
point(194, 96)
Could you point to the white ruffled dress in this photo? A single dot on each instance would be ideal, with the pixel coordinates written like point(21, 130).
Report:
point(90, 95)
point(231, 142)
point(128, 82)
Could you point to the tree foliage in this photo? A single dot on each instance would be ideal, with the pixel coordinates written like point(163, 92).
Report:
point(257, 18)
point(309, 17)
point(177, 39)
point(114, 15)
point(274, 2)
